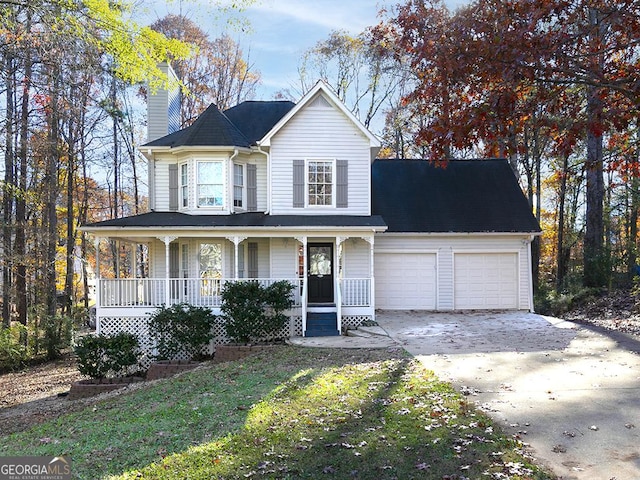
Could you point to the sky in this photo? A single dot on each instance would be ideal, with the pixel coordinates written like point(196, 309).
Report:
point(278, 32)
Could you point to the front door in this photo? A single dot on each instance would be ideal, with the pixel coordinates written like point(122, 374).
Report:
point(320, 274)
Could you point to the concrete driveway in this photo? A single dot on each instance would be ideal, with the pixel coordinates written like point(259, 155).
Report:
point(571, 394)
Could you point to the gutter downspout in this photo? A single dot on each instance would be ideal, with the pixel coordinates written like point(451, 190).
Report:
point(268, 158)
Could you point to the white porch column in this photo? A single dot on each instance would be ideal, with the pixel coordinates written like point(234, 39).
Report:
point(303, 300)
point(236, 240)
point(372, 284)
point(339, 241)
point(96, 244)
point(167, 270)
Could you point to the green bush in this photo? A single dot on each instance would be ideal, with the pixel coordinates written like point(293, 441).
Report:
point(180, 330)
point(252, 312)
point(12, 352)
point(102, 356)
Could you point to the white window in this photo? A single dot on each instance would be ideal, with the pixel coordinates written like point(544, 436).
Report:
point(210, 184)
point(238, 185)
point(320, 182)
point(184, 185)
point(185, 260)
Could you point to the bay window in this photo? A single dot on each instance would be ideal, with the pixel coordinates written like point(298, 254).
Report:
point(210, 184)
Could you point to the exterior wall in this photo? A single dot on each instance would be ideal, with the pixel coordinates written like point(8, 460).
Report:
point(320, 132)
point(284, 258)
point(356, 262)
point(446, 247)
point(160, 173)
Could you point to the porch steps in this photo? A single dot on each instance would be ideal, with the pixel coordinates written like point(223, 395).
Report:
point(322, 324)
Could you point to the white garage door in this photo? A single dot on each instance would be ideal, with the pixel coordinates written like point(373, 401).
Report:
point(486, 280)
point(405, 281)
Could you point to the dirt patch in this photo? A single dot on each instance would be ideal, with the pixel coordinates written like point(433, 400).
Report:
point(32, 395)
point(614, 311)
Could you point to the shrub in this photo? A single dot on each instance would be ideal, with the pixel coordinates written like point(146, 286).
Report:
point(12, 352)
point(252, 312)
point(180, 330)
point(101, 356)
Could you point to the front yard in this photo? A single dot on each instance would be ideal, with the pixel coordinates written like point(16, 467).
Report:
point(289, 413)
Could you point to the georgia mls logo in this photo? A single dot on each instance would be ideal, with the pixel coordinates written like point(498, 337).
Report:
point(35, 468)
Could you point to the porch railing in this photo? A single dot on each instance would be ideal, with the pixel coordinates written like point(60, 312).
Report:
point(206, 292)
point(153, 292)
point(356, 292)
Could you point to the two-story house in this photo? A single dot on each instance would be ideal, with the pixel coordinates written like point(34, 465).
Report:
point(275, 190)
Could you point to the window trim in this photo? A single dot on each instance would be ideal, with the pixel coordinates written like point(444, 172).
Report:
point(223, 184)
point(307, 162)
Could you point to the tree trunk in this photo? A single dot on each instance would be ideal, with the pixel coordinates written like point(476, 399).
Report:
point(561, 256)
point(21, 201)
point(8, 190)
point(594, 257)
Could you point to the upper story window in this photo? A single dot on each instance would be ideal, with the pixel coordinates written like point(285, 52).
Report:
point(184, 185)
point(320, 182)
point(210, 184)
point(238, 185)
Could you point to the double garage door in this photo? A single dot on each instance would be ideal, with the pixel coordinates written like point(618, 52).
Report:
point(409, 281)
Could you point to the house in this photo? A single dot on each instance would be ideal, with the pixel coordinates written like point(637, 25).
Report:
point(275, 190)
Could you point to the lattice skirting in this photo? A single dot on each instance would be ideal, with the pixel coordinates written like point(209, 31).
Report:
point(139, 326)
point(354, 321)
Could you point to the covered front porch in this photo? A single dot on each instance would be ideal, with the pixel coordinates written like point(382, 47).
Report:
point(332, 275)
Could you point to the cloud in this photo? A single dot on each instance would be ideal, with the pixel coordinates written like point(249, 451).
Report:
point(351, 15)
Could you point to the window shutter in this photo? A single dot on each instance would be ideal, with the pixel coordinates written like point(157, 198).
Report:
point(173, 187)
point(241, 261)
point(342, 184)
point(252, 188)
point(252, 251)
point(298, 184)
point(174, 267)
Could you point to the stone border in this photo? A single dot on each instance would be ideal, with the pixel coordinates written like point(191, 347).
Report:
point(168, 368)
point(93, 387)
point(229, 353)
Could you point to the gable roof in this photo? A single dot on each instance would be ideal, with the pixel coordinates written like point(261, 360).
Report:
point(320, 86)
point(465, 196)
point(239, 126)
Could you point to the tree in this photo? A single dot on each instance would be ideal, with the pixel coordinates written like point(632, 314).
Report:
point(545, 50)
point(217, 73)
point(358, 68)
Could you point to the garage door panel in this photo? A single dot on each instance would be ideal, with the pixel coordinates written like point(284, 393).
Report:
point(486, 280)
point(405, 281)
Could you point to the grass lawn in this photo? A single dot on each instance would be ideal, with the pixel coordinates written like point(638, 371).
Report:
point(289, 413)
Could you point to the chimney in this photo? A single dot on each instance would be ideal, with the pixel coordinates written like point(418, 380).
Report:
point(163, 107)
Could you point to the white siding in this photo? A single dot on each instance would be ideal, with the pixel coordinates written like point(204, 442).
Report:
point(284, 258)
point(356, 260)
point(446, 247)
point(320, 133)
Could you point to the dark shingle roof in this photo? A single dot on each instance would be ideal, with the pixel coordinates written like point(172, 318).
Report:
point(466, 196)
point(255, 119)
point(240, 126)
point(254, 219)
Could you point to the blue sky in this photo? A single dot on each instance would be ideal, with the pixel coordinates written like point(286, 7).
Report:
point(279, 31)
